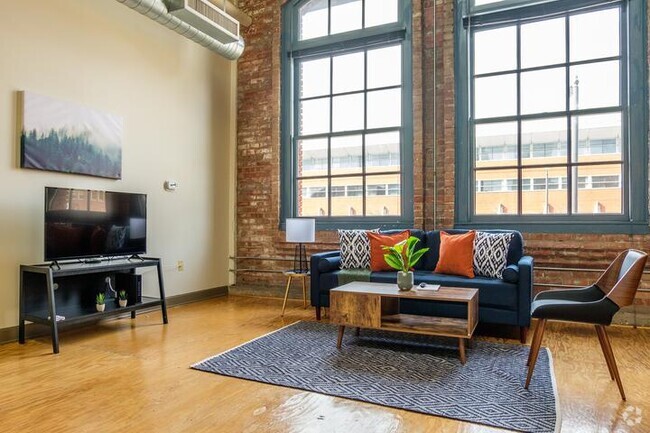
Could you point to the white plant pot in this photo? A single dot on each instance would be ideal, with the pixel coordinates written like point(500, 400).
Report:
point(100, 307)
point(122, 302)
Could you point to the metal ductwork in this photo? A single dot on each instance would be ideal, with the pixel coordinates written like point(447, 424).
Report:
point(156, 10)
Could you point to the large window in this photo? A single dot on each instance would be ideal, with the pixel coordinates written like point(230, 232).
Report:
point(545, 117)
point(346, 123)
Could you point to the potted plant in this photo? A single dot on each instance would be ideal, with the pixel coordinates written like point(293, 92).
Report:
point(121, 298)
point(100, 302)
point(403, 257)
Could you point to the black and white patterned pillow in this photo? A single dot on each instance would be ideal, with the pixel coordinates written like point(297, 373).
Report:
point(491, 253)
point(355, 249)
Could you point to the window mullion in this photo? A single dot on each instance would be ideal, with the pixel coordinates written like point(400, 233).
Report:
point(365, 128)
point(520, 195)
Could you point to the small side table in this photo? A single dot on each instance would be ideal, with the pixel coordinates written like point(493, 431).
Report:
point(290, 276)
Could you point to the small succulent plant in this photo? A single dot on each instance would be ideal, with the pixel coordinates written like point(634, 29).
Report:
point(121, 295)
point(100, 299)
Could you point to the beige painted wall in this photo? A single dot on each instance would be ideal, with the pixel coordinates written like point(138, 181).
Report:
point(177, 101)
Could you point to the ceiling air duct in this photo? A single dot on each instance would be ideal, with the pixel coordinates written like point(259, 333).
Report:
point(157, 11)
point(206, 17)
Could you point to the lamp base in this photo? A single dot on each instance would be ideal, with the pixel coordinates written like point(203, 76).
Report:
point(300, 265)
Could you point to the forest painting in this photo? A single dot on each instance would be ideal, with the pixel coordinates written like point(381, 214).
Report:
point(66, 137)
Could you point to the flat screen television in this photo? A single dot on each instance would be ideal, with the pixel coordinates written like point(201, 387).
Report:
point(82, 223)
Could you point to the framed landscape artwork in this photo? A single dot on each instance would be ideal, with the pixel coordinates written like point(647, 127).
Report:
point(70, 138)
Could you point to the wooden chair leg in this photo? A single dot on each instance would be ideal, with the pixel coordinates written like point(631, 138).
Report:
point(533, 342)
point(286, 295)
point(604, 349)
point(317, 313)
point(304, 293)
point(612, 360)
point(534, 351)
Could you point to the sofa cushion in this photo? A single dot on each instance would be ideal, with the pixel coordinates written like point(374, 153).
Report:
point(430, 258)
point(492, 292)
point(456, 254)
point(490, 253)
point(377, 242)
point(355, 249)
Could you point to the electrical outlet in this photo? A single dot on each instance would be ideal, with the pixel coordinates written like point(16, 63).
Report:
point(180, 266)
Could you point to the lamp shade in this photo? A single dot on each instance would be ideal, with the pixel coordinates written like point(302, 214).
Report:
point(301, 230)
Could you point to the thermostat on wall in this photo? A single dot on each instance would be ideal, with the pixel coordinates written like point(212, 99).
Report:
point(170, 185)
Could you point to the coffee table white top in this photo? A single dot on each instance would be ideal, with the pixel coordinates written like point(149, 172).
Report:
point(450, 294)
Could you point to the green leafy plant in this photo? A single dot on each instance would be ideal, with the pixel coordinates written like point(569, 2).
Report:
point(402, 256)
point(121, 295)
point(100, 299)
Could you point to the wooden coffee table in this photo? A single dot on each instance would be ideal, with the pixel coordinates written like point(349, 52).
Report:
point(376, 306)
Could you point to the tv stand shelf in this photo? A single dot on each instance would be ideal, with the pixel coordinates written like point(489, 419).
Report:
point(67, 291)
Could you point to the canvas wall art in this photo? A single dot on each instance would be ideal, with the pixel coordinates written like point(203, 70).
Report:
point(67, 137)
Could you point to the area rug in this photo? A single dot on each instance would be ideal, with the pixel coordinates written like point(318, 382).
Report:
point(406, 371)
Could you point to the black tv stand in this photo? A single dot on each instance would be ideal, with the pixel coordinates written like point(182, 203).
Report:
point(93, 260)
point(54, 294)
point(136, 257)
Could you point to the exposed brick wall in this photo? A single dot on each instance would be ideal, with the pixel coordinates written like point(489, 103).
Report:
point(258, 154)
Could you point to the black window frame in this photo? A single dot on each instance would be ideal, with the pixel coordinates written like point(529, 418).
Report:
point(292, 49)
point(634, 219)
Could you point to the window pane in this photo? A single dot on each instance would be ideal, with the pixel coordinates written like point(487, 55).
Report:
point(346, 155)
point(543, 91)
point(313, 19)
point(544, 141)
point(385, 67)
point(348, 73)
point(595, 85)
point(495, 50)
point(594, 34)
point(346, 15)
point(543, 43)
point(495, 192)
point(314, 116)
point(599, 189)
point(312, 157)
point(347, 112)
point(378, 201)
point(495, 96)
point(545, 191)
point(384, 108)
point(599, 137)
point(382, 152)
point(350, 204)
point(314, 77)
point(496, 144)
point(380, 12)
point(312, 198)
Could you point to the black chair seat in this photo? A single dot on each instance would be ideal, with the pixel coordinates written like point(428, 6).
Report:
point(598, 312)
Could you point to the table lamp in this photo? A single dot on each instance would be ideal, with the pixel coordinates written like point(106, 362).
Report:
point(301, 230)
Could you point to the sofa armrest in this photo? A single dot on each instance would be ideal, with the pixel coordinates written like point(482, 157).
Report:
point(331, 261)
point(525, 289)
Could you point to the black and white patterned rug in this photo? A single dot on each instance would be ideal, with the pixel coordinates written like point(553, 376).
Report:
point(406, 371)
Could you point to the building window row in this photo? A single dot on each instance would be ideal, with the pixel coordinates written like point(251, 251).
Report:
point(392, 189)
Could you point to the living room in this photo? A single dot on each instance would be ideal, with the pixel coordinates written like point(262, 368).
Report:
point(457, 116)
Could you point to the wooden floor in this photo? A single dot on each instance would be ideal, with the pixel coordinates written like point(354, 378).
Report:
point(124, 375)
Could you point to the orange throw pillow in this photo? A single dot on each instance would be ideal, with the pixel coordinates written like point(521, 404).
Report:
point(377, 240)
point(456, 254)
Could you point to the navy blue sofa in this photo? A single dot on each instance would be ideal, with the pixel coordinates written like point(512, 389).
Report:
point(506, 301)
